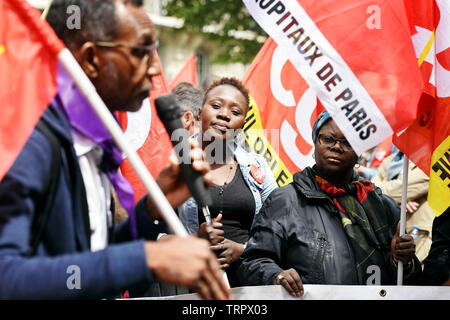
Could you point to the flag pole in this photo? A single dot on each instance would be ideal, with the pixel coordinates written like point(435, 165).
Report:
point(46, 10)
point(90, 93)
point(403, 213)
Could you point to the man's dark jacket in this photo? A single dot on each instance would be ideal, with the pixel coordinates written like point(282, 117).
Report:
point(64, 252)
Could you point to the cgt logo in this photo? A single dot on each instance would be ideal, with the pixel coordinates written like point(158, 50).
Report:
point(295, 139)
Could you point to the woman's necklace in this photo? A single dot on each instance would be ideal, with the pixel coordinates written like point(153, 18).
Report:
point(222, 187)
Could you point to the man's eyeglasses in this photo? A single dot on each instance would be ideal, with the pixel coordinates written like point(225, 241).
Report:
point(139, 51)
point(330, 141)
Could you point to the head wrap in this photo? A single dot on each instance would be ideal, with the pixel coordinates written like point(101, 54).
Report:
point(320, 121)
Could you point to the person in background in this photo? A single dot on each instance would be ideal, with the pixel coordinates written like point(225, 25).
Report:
point(436, 271)
point(371, 159)
point(241, 180)
point(79, 253)
point(390, 180)
point(190, 99)
point(328, 226)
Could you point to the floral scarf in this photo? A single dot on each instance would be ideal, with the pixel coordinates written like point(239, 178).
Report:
point(361, 212)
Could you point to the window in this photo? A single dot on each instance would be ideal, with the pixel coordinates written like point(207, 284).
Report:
point(202, 65)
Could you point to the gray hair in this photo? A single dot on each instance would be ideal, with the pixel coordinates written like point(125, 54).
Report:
point(189, 99)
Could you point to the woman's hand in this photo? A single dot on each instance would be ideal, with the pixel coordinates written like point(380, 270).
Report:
point(291, 281)
point(213, 233)
point(171, 180)
point(402, 248)
point(231, 251)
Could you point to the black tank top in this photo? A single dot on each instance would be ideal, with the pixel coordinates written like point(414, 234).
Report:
point(236, 203)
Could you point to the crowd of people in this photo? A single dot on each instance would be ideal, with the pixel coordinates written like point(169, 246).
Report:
point(329, 226)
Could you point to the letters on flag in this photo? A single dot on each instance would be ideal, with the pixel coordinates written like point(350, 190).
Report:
point(148, 136)
point(282, 111)
point(366, 78)
point(28, 70)
point(426, 142)
point(188, 73)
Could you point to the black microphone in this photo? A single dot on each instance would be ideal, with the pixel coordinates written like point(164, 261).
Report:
point(170, 114)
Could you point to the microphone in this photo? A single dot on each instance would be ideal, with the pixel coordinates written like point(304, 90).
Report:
point(170, 114)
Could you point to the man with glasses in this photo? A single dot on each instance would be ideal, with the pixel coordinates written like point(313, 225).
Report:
point(58, 240)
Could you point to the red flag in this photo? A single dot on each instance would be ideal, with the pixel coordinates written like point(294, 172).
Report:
point(28, 69)
point(426, 142)
point(365, 74)
point(282, 111)
point(382, 151)
point(188, 73)
point(148, 136)
point(433, 122)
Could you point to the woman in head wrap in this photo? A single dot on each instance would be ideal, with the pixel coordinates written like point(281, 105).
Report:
point(328, 226)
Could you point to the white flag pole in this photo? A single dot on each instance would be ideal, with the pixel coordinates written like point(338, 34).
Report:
point(90, 93)
point(46, 10)
point(403, 213)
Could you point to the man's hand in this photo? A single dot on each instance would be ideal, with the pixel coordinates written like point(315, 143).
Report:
point(411, 206)
point(187, 262)
point(171, 180)
point(291, 281)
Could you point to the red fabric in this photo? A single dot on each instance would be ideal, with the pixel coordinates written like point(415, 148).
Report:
point(157, 147)
point(330, 188)
point(382, 151)
point(363, 188)
point(188, 73)
point(432, 125)
point(275, 114)
point(382, 59)
point(28, 70)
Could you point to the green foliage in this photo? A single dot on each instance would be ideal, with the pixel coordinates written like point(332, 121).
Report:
point(227, 16)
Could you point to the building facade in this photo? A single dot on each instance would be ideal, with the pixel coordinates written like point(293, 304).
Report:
point(176, 46)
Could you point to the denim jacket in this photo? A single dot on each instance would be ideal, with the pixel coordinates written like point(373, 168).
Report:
point(188, 211)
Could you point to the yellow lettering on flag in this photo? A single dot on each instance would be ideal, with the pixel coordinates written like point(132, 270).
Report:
point(2, 49)
point(257, 140)
point(439, 190)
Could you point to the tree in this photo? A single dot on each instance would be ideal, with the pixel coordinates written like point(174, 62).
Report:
point(227, 20)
